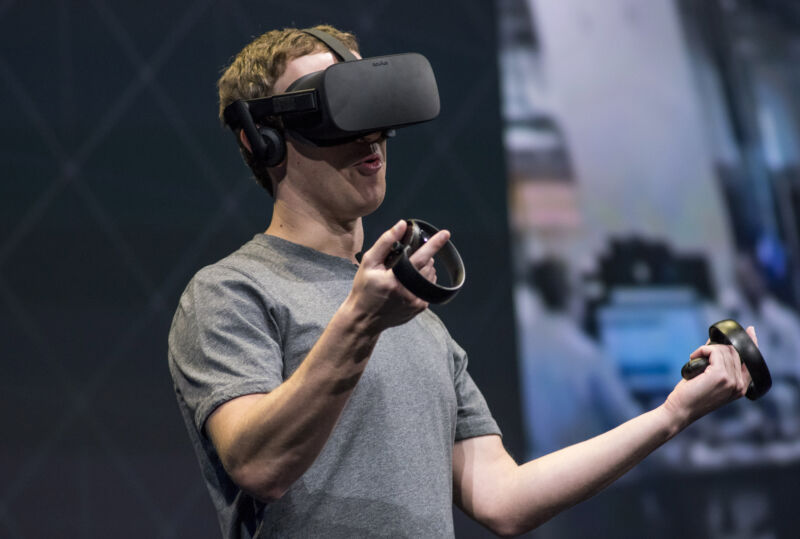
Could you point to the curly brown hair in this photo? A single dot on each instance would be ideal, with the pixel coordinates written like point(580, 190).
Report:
point(253, 72)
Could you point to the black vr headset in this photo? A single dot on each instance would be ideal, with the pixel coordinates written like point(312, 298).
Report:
point(341, 103)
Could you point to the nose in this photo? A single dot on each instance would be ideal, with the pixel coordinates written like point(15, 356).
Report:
point(369, 138)
point(376, 136)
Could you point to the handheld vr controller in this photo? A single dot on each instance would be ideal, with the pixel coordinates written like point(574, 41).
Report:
point(341, 103)
point(730, 332)
point(417, 233)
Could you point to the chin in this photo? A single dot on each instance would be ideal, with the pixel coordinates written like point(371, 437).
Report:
point(372, 203)
point(369, 208)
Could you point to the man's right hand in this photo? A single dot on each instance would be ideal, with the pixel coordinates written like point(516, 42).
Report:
point(377, 298)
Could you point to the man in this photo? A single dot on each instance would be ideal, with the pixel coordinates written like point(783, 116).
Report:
point(324, 399)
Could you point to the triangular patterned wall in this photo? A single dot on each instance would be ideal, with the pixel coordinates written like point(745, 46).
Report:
point(118, 184)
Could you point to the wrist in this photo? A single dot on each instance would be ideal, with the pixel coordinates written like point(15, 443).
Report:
point(343, 349)
point(675, 418)
point(355, 320)
point(356, 324)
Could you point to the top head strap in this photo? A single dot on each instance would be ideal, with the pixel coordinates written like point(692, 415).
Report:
point(337, 47)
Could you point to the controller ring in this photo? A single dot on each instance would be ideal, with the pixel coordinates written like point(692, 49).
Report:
point(417, 233)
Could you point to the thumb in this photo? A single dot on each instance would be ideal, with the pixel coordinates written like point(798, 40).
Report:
point(381, 248)
point(752, 332)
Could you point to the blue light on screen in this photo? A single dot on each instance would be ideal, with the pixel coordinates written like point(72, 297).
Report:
point(650, 332)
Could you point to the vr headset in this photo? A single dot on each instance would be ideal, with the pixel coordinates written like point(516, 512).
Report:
point(341, 103)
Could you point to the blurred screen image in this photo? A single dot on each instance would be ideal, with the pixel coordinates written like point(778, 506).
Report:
point(654, 189)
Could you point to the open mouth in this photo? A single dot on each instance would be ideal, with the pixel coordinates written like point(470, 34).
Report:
point(370, 165)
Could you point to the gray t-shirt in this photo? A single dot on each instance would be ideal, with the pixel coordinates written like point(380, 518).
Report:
point(245, 324)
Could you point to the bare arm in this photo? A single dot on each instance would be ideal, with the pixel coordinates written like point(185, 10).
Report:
point(511, 499)
point(267, 441)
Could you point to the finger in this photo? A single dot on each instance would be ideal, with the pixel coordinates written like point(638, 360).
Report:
point(738, 370)
point(420, 305)
point(376, 254)
point(703, 351)
point(429, 271)
point(707, 349)
point(430, 248)
point(410, 301)
point(752, 332)
point(746, 379)
point(730, 360)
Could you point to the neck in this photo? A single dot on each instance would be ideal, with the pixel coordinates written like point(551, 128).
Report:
point(338, 238)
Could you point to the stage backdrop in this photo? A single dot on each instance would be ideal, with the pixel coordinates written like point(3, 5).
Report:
point(118, 183)
point(650, 160)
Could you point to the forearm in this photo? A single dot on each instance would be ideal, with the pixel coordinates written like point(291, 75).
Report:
point(545, 486)
point(511, 499)
point(273, 440)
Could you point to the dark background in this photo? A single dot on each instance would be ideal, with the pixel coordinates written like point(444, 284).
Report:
point(119, 183)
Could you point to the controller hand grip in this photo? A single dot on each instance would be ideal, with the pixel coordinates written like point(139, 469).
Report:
point(694, 367)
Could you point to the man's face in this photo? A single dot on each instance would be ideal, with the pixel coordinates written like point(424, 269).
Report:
point(341, 182)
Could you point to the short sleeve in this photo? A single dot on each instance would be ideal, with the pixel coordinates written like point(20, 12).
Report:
point(474, 417)
point(224, 342)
